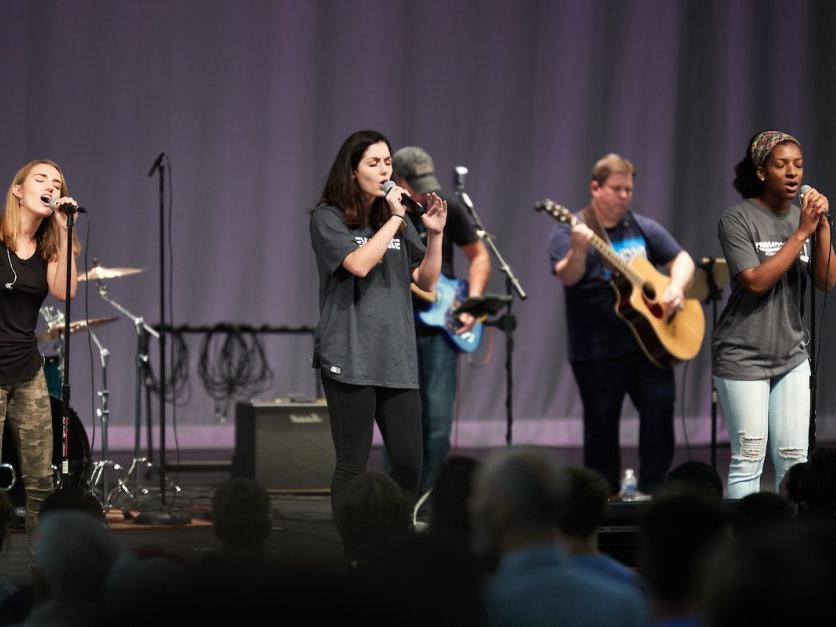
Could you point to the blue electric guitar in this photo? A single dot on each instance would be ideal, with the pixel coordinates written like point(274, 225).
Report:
point(443, 300)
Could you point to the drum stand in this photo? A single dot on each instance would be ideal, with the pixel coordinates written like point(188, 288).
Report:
point(100, 469)
point(132, 486)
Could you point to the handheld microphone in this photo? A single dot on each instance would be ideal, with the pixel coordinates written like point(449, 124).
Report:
point(67, 206)
point(806, 188)
point(406, 199)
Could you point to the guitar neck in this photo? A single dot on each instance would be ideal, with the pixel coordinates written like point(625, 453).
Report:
point(613, 258)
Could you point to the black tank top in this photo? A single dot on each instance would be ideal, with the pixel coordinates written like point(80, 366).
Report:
point(20, 303)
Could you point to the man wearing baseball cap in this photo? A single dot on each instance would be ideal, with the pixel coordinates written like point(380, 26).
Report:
point(413, 170)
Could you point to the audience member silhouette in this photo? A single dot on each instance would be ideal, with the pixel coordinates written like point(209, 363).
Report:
point(75, 553)
point(759, 512)
point(782, 576)
point(449, 516)
point(375, 513)
point(241, 516)
point(73, 499)
point(582, 516)
point(698, 475)
point(817, 486)
point(518, 497)
point(679, 530)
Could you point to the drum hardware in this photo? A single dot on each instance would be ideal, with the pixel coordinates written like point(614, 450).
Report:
point(100, 272)
point(78, 458)
point(56, 331)
point(132, 485)
point(6, 467)
point(100, 468)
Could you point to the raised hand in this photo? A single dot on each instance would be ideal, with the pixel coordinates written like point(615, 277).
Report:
point(436, 216)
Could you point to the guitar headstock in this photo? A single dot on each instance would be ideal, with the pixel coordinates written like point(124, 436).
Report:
point(558, 212)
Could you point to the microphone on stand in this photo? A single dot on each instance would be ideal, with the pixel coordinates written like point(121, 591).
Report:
point(459, 174)
point(66, 207)
point(806, 188)
point(406, 199)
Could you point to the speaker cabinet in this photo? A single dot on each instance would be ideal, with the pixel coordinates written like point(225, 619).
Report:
point(285, 446)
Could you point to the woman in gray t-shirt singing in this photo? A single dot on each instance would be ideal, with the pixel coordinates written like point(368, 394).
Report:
point(759, 349)
point(367, 253)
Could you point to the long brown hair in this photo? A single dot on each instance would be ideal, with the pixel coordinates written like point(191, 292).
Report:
point(48, 234)
point(341, 188)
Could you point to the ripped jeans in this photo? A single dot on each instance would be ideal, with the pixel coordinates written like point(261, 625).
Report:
point(773, 412)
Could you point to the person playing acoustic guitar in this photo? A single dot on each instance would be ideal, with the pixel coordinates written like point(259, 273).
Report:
point(607, 358)
point(414, 171)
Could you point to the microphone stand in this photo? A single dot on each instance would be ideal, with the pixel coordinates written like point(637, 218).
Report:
point(159, 166)
point(811, 444)
point(507, 322)
point(65, 385)
point(715, 293)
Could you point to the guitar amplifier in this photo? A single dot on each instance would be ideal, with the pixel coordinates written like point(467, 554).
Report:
point(285, 446)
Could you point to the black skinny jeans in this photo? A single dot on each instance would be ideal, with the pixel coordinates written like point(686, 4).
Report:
point(353, 410)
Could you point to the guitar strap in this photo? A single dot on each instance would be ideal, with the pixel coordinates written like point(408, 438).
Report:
point(592, 222)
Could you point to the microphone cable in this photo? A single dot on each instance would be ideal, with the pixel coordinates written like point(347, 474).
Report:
point(234, 366)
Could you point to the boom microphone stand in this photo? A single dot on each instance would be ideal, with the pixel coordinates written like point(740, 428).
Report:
point(159, 166)
point(507, 322)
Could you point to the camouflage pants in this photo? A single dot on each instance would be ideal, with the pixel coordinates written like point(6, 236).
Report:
point(25, 409)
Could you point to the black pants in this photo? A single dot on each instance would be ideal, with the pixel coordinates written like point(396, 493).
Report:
point(603, 384)
point(353, 410)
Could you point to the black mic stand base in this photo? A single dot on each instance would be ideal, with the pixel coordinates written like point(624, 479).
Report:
point(162, 518)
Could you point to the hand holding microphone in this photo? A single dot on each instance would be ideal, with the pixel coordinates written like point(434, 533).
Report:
point(815, 201)
point(406, 200)
point(65, 205)
point(63, 208)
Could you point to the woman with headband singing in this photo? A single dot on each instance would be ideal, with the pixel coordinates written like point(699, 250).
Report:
point(759, 348)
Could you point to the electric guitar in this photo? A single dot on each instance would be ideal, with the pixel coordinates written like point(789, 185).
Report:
point(443, 300)
point(665, 337)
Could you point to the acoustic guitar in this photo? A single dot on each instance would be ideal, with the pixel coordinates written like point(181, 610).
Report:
point(666, 337)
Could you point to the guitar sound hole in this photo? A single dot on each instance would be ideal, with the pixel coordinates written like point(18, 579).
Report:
point(650, 300)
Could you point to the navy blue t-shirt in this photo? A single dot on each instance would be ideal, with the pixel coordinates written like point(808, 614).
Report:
point(595, 331)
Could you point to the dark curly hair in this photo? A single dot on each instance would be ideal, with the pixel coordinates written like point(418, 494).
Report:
point(746, 180)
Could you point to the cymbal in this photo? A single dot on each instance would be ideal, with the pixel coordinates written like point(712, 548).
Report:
point(79, 325)
point(100, 272)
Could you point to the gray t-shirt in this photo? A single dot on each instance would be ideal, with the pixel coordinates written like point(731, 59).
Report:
point(366, 330)
point(758, 337)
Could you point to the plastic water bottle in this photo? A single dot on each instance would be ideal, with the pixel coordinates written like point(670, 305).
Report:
point(629, 486)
